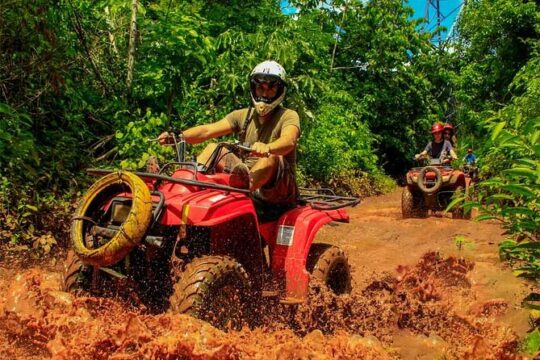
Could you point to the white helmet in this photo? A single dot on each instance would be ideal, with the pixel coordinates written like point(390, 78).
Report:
point(267, 71)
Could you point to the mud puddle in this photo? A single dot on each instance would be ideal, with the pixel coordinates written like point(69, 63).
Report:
point(422, 304)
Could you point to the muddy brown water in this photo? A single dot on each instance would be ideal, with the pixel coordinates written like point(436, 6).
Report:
point(423, 289)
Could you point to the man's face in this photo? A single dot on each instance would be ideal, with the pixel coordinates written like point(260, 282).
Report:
point(447, 134)
point(437, 136)
point(267, 89)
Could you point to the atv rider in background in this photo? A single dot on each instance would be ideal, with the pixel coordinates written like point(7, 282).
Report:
point(438, 148)
point(272, 132)
point(448, 134)
point(470, 163)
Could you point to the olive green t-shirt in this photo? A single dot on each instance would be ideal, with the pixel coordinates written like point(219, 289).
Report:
point(266, 132)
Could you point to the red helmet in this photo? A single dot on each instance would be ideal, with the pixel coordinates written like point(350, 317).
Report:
point(436, 128)
point(448, 126)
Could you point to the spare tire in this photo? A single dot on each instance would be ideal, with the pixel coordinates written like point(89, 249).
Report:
point(132, 229)
point(422, 175)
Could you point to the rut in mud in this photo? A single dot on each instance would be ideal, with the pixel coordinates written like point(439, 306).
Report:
point(441, 304)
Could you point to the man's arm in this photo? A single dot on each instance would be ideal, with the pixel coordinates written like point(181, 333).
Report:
point(282, 146)
point(450, 150)
point(201, 133)
point(422, 154)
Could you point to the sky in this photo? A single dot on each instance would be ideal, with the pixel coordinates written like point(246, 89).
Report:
point(449, 10)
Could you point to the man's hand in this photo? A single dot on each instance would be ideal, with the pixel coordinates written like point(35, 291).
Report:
point(164, 138)
point(417, 156)
point(260, 150)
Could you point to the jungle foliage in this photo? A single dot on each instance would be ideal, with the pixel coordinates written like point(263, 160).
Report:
point(366, 83)
point(496, 93)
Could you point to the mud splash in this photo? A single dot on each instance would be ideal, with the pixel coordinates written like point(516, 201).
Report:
point(432, 301)
point(38, 321)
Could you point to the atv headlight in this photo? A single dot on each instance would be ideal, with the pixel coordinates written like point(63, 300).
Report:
point(120, 211)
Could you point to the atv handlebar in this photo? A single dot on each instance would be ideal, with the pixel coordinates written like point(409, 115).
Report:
point(239, 147)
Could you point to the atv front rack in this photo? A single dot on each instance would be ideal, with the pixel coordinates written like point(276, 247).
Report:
point(325, 199)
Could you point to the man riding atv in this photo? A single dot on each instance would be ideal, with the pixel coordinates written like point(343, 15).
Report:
point(272, 132)
point(193, 241)
point(469, 166)
point(438, 148)
point(432, 187)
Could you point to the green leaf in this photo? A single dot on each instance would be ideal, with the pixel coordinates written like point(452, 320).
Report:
point(531, 343)
point(454, 202)
point(485, 217)
point(532, 297)
point(521, 171)
point(6, 109)
point(500, 197)
point(32, 207)
point(529, 245)
point(518, 189)
point(497, 130)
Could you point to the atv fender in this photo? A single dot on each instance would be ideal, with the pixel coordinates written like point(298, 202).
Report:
point(206, 208)
point(291, 244)
point(410, 180)
point(457, 178)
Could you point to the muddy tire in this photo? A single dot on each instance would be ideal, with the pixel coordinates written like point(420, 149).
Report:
point(330, 265)
point(132, 230)
point(76, 276)
point(214, 289)
point(411, 206)
point(458, 212)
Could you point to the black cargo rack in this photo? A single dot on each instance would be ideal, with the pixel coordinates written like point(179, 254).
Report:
point(325, 199)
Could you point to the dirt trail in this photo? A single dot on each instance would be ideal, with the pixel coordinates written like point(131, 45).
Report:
point(378, 240)
point(423, 289)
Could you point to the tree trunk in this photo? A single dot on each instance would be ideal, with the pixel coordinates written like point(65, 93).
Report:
point(338, 34)
point(111, 31)
point(82, 38)
point(131, 49)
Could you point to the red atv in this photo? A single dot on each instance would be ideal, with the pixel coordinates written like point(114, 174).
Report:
point(188, 240)
point(432, 187)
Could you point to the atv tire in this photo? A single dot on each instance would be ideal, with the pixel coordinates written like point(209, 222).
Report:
point(76, 276)
point(132, 229)
point(411, 206)
point(438, 181)
point(458, 212)
point(330, 265)
point(214, 289)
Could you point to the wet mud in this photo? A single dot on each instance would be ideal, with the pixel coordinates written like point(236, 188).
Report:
point(430, 299)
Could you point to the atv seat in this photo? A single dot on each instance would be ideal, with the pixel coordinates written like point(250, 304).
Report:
point(267, 212)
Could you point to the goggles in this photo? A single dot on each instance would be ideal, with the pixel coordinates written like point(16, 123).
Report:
point(271, 80)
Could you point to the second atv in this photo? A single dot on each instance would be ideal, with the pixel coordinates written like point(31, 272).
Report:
point(432, 187)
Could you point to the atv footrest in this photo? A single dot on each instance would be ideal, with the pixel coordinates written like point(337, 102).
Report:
point(270, 293)
point(111, 231)
point(291, 301)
